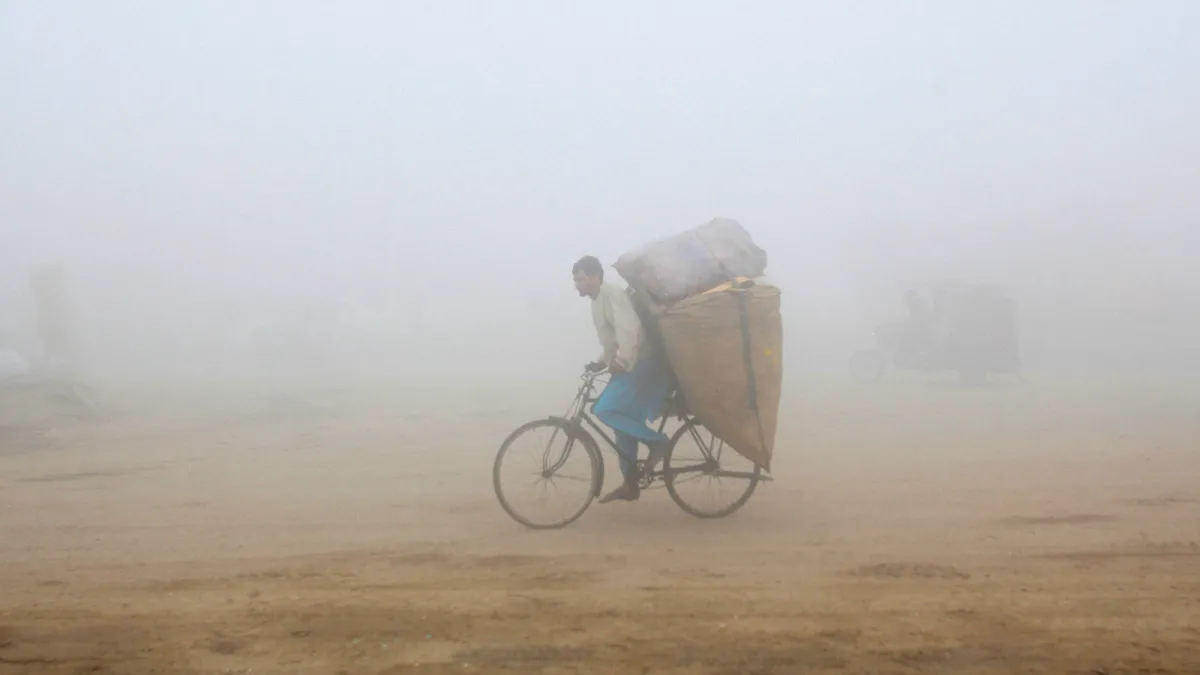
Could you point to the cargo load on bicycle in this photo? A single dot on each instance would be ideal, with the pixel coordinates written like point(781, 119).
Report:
point(702, 295)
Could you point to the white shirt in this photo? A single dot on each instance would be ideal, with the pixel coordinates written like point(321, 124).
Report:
point(618, 327)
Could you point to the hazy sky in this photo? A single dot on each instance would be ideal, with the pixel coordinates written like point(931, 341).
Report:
point(464, 154)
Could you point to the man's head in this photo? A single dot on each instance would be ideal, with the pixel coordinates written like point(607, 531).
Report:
point(588, 274)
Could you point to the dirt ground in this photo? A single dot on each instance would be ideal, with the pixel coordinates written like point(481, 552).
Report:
point(913, 527)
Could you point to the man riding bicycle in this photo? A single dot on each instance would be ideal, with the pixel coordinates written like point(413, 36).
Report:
point(640, 379)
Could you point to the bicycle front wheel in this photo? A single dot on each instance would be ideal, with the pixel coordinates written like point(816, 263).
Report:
point(704, 476)
point(546, 474)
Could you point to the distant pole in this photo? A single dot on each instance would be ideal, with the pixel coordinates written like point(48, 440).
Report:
point(54, 315)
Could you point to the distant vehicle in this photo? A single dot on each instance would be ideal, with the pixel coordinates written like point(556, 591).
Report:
point(959, 327)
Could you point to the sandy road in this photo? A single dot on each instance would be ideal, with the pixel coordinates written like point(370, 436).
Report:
point(913, 527)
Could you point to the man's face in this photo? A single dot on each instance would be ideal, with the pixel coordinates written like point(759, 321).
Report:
point(587, 286)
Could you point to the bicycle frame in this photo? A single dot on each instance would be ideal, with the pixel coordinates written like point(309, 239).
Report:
point(575, 427)
point(577, 417)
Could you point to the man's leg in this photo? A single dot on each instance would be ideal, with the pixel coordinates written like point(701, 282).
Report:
point(624, 423)
point(610, 410)
point(629, 489)
point(636, 431)
point(628, 402)
point(629, 432)
point(627, 451)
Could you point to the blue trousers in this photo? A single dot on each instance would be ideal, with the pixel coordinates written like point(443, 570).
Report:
point(630, 401)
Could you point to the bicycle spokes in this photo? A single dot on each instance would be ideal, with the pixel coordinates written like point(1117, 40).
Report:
point(551, 461)
point(706, 477)
point(545, 475)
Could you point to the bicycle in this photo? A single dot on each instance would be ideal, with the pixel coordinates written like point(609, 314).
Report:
point(573, 427)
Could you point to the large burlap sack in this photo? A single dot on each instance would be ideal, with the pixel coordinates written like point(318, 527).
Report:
point(726, 348)
point(692, 262)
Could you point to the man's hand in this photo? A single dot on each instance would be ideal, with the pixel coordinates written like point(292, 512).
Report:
point(596, 366)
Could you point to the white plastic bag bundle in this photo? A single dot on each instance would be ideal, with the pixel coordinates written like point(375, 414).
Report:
point(693, 262)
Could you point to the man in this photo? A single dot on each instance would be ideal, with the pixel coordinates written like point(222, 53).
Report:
point(640, 380)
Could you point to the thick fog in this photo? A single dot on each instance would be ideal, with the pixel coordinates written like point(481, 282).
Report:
point(429, 171)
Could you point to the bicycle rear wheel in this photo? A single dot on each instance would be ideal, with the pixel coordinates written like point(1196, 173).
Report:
point(546, 461)
point(697, 458)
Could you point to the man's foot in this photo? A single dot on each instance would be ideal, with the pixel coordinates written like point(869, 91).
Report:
point(657, 452)
point(628, 492)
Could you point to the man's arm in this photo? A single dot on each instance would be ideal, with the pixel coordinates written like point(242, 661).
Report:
point(627, 325)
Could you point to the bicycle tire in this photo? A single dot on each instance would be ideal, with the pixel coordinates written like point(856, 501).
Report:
point(578, 436)
point(669, 479)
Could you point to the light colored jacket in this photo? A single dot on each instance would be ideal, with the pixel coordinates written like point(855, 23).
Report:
point(617, 325)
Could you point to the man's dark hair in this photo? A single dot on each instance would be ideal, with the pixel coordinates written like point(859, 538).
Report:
point(590, 266)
